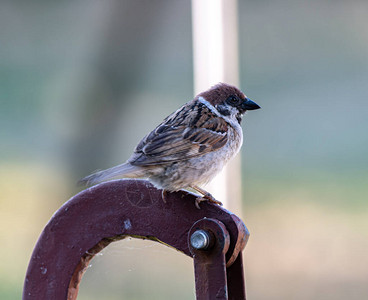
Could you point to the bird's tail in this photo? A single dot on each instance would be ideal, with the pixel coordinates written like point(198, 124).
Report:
point(124, 170)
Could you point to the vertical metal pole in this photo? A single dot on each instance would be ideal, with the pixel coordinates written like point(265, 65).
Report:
point(236, 279)
point(210, 263)
point(215, 52)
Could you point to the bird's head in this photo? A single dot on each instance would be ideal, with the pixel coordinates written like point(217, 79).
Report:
point(229, 100)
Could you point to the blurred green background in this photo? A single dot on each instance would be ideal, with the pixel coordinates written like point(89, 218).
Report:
point(81, 82)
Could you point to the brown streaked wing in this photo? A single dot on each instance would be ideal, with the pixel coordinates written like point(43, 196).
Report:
point(190, 132)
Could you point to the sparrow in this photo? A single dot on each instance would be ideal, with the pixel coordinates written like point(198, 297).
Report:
point(190, 146)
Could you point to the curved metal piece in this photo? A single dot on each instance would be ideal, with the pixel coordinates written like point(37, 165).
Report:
point(241, 236)
point(111, 211)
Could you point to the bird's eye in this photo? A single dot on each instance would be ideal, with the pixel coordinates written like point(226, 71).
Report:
point(233, 101)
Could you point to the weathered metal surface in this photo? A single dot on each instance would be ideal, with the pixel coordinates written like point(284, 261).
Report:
point(210, 264)
point(235, 279)
point(92, 219)
point(239, 241)
point(216, 279)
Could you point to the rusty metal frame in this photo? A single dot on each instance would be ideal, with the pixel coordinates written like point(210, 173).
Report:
point(114, 210)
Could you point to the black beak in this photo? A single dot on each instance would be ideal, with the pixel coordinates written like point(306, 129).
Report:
point(249, 105)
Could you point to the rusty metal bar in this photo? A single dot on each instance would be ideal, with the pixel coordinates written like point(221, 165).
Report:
point(111, 211)
point(210, 262)
point(236, 280)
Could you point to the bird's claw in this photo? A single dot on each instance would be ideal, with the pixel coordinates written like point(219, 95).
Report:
point(163, 195)
point(208, 198)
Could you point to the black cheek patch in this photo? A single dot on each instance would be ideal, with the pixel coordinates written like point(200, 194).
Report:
point(223, 110)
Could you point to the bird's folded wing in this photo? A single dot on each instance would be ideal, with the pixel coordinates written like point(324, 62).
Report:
point(190, 132)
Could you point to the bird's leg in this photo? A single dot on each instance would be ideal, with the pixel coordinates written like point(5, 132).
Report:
point(163, 195)
point(206, 196)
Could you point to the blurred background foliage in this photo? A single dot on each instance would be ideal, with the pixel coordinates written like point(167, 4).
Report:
point(81, 82)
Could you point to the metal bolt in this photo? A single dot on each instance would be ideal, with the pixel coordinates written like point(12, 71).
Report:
point(200, 239)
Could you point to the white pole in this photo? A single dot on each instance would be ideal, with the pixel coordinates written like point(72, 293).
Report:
point(215, 52)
